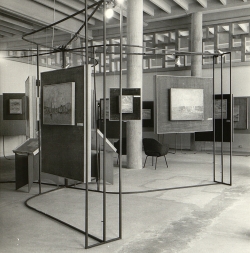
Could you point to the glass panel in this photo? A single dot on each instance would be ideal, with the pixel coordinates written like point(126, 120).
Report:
point(247, 47)
point(208, 47)
point(156, 63)
point(223, 40)
point(183, 44)
point(236, 42)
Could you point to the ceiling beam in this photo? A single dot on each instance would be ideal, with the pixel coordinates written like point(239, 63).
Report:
point(147, 9)
point(7, 34)
point(182, 3)
point(40, 14)
point(203, 3)
point(14, 27)
point(244, 27)
point(15, 22)
point(10, 30)
point(162, 5)
point(224, 2)
point(65, 10)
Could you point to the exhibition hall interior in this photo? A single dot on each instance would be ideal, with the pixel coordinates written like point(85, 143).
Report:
point(125, 126)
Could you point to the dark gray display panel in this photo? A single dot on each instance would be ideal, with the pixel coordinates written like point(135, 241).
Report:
point(62, 146)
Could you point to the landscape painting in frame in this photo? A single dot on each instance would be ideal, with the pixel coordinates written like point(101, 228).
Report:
point(186, 104)
point(236, 113)
point(127, 104)
point(217, 108)
point(59, 104)
point(15, 106)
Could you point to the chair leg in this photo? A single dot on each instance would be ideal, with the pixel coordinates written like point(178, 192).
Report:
point(145, 162)
point(152, 160)
point(166, 161)
point(155, 162)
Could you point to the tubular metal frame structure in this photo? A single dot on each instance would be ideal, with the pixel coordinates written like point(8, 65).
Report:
point(63, 50)
point(222, 180)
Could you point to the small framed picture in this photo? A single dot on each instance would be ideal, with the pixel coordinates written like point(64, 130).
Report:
point(16, 106)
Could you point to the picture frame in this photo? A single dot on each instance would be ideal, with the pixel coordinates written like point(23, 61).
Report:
point(59, 104)
point(126, 104)
point(186, 104)
point(218, 107)
point(133, 100)
point(15, 106)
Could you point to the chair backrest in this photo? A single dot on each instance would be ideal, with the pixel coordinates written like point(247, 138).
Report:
point(153, 147)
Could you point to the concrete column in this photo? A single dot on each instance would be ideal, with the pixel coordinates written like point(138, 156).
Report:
point(196, 44)
point(134, 79)
point(196, 60)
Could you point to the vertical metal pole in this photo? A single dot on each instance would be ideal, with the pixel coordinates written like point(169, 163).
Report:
point(120, 155)
point(63, 66)
point(213, 119)
point(222, 124)
point(231, 134)
point(87, 130)
point(39, 121)
point(96, 135)
point(63, 59)
point(104, 117)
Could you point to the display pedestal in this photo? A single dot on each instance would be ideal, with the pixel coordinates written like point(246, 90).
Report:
point(25, 157)
point(27, 164)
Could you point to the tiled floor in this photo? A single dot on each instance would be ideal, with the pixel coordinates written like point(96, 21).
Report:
point(175, 209)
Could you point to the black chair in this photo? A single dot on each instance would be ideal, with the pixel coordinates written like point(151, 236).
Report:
point(154, 148)
point(124, 147)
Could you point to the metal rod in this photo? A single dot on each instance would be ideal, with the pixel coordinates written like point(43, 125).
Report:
point(213, 118)
point(39, 121)
point(231, 96)
point(96, 134)
point(59, 21)
point(104, 117)
point(120, 153)
point(87, 131)
point(222, 123)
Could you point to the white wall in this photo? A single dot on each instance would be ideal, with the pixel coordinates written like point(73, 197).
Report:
point(12, 80)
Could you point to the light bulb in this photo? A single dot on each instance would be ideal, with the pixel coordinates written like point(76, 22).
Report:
point(109, 13)
point(120, 1)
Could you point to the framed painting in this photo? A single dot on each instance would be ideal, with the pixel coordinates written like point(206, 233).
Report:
point(186, 104)
point(131, 104)
point(220, 109)
point(241, 113)
point(236, 113)
point(59, 104)
point(126, 104)
point(15, 106)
